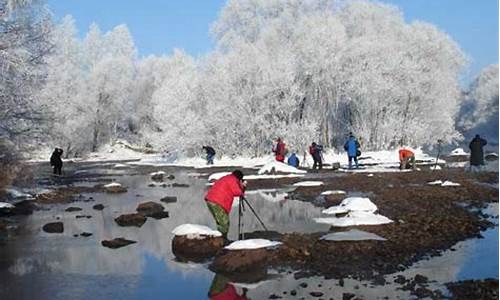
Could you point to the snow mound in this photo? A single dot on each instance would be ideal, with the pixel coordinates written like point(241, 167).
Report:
point(458, 152)
point(355, 218)
point(194, 231)
point(252, 244)
point(450, 183)
point(113, 184)
point(276, 176)
point(159, 173)
point(308, 183)
point(352, 235)
point(436, 167)
point(279, 167)
point(6, 205)
point(217, 176)
point(119, 166)
point(334, 192)
point(370, 175)
point(352, 204)
point(436, 182)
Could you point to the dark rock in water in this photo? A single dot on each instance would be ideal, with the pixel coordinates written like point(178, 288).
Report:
point(98, 207)
point(70, 209)
point(422, 293)
point(474, 289)
point(240, 261)
point(420, 279)
point(171, 177)
point(25, 207)
point(151, 185)
point(169, 199)
point(75, 235)
point(400, 279)
point(115, 189)
point(159, 215)
point(316, 294)
point(196, 250)
point(157, 176)
point(293, 292)
point(303, 285)
point(56, 227)
point(131, 220)
point(347, 296)
point(117, 243)
point(175, 184)
point(83, 216)
point(150, 208)
point(85, 234)
point(274, 296)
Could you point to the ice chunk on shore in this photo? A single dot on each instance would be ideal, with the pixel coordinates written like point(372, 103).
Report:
point(355, 218)
point(195, 231)
point(279, 167)
point(450, 183)
point(351, 204)
point(334, 192)
point(252, 244)
point(119, 166)
point(159, 173)
point(308, 183)
point(6, 205)
point(436, 182)
point(458, 152)
point(352, 235)
point(112, 185)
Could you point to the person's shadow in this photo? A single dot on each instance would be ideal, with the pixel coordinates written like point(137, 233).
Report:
point(221, 288)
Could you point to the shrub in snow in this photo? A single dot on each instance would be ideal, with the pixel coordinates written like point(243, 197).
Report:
point(279, 167)
point(252, 244)
point(352, 235)
point(194, 231)
point(352, 204)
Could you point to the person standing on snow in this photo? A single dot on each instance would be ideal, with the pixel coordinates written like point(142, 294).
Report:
point(315, 151)
point(293, 160)
point(56, 161)
point(220, 197)
point(406, 159)
point(351, 146)
point(279, 150)
point(476, 151)
point(210, 154)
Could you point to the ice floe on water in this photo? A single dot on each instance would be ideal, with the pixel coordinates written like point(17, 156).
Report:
point(308, 183)
point(351, 204)
point(443, 183)
point(279, 167)
point(352, 235)
point(193, 231)
point(334, 192)
point(355, 218)
point(252, 244)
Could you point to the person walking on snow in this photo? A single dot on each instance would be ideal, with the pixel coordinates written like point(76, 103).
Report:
point(315, 151)
point(406, 159)
point(351, 146)
point(293, 160)
point(279, 150)
point(210, 154)
point(220, 197)
point(56, 161)
point(476, 151)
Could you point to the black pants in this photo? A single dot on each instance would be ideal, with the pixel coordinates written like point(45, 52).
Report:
point(317, 163)
point(58, 169)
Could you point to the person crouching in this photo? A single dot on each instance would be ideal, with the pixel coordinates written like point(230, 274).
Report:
point(220, 198)
point(406, 159)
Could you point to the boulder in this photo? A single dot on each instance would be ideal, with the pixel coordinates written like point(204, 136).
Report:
point(114, 188)
point(196, 249)
point(55, 227)
point(169, 199)
point(85, 234)
point(117, 243)
point(73, 208)
point(175, 184)
point(240, 261)
point(98, 207)
point(157, 176)
point(131, 220)
point(150, 208)
point(159, 215)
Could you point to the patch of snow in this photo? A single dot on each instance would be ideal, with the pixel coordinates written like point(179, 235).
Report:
point(195, 174)
point(14, 193)
point(252, 244)
point(450, 183)
point(112, 184)
point(458, 152)
point(157, 173)
point(370, 175)
point(352, 235)
point(6, 205)
point(334, 192)
point(436, 182)
point(355, 218)
point(195, 231)
point(277, 176)
point(308, 183)
point(436, 167)
point(279, 167)
point(217, 176)
point(352, 204)
point(119, 166)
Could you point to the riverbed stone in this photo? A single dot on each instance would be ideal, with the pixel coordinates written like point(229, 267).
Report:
point(98, 207)
point(196, 249)
point(150, 208)
point(54, 227)
point(169, 199)
point(240, 261)
point(135, 219)
point(73, 208)
point(117, 243)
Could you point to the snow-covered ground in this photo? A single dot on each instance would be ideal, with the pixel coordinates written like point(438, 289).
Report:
point(195, 231)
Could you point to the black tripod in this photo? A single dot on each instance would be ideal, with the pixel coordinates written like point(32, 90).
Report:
point(241, 209)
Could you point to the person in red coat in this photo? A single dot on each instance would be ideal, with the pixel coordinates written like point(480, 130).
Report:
point(406, 159)
point(220, 198)
point(279, 150)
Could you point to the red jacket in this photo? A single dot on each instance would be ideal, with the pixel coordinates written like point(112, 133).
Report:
point(229, 293)
point(404, 153)
point(224, 190)
point(280, 151)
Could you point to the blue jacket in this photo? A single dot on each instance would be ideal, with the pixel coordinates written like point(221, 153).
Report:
point(351, 146)
point(293, 160)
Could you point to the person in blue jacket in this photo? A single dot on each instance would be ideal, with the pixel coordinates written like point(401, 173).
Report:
point(352, 148)
point(293, 160)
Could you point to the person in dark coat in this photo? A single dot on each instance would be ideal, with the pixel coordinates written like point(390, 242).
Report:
point(476, 151)
point(210, 154)
point(56, 161)
point(351, 146)
point(315, 151)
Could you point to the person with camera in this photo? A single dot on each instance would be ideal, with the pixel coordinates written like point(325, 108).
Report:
point(406, 159)
point(315, 151)
point(220, 197)
point(351, 146)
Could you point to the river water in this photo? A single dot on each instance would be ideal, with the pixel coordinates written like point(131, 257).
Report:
point(38, 265)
